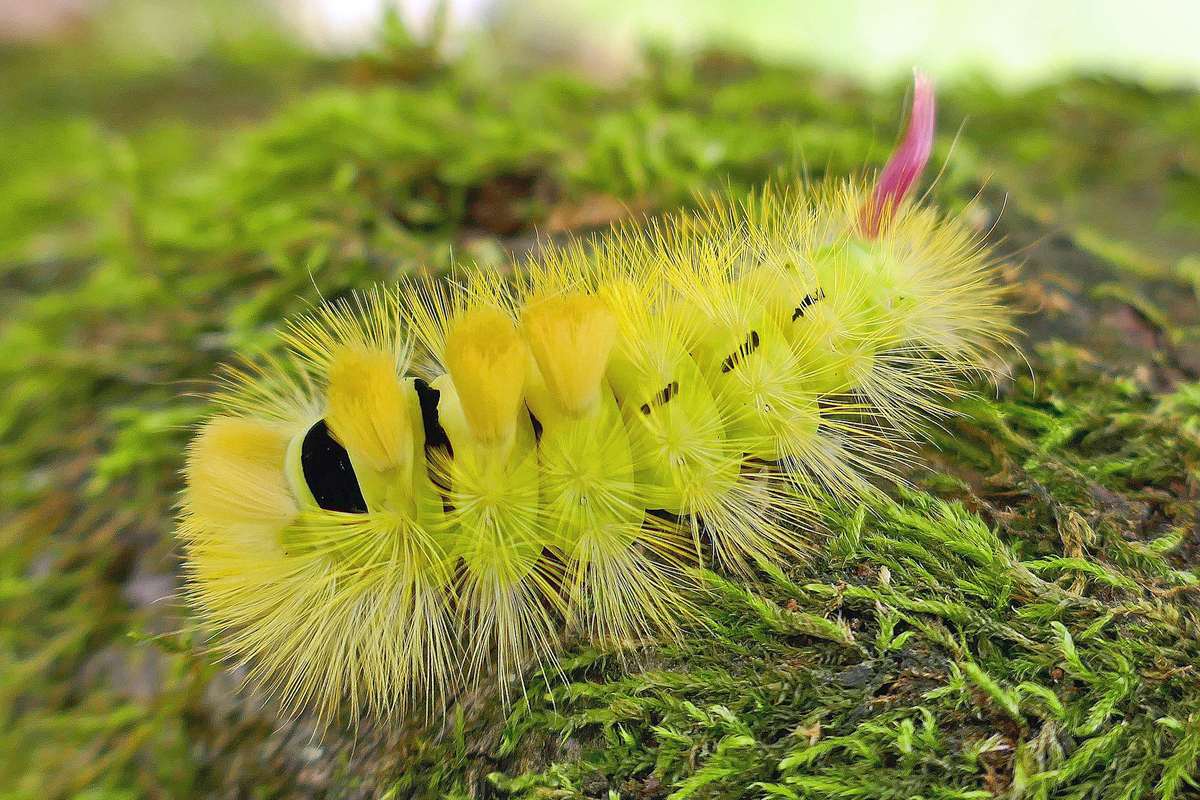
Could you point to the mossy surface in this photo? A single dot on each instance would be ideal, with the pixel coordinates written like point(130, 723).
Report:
point(1022, 622)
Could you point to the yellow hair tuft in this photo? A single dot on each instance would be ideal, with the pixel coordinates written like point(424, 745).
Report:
point(571, 337)
point(368, 411)
point(235, 473)
point(486, 359)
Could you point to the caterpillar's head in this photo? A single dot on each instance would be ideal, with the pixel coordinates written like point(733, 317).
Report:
point(274, 481)
point(315, 539)
point(237, 482)
point(333, 436)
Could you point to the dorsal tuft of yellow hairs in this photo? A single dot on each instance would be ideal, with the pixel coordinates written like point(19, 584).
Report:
point(442, 481)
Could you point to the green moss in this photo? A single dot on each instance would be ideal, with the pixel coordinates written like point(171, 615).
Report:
point(1037, 645)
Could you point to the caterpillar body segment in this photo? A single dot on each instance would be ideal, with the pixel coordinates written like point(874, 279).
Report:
point(689, 462)
point(441, 481)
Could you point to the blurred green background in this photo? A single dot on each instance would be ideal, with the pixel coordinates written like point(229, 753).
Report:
point(1014, 43)
point(177, 177)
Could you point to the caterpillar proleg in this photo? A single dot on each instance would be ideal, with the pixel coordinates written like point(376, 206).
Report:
point(440, 480)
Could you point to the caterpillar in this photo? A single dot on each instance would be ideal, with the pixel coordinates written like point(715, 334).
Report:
point(442, 480)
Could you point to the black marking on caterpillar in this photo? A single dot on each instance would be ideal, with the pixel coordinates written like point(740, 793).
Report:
point(329, 473)
point(744, 351)
point(809, 300)
point(662, 398)
point(435, 434)
point(537, 427)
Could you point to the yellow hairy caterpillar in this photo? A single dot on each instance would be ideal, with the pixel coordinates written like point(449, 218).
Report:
point(441, 479)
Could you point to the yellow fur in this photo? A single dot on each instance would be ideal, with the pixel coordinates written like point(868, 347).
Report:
point(486, 359)
point(617, 412)
point(571, 337)
point(235, 474)
point(368, 411)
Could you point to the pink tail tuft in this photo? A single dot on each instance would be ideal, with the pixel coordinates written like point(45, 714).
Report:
point(902, 170)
